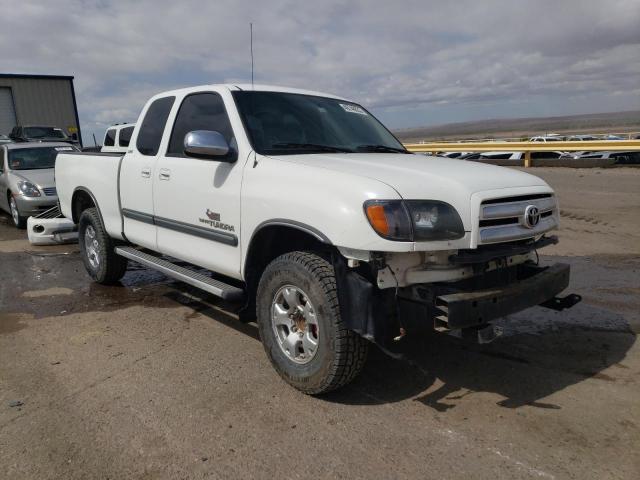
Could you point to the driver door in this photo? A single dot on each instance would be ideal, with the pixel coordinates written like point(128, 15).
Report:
point(197, 200)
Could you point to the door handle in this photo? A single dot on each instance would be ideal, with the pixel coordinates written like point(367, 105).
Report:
point(165, 174)
point(145, 172)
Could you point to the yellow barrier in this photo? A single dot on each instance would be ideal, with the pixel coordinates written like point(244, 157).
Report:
point(526, 147)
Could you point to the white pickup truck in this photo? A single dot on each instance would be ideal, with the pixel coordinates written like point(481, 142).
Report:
point(117, 138)
point(306, 211)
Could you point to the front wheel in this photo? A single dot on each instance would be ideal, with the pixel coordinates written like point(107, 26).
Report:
point(18, 220)
point(97, 249)
point(300, 325)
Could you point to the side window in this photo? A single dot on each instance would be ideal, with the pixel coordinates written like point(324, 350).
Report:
point(201, 111)
point(125, 136)
point(2, 155)
point(110, 138)
point(152, 127)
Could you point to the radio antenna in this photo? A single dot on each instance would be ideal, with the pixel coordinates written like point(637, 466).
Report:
point(251, 42)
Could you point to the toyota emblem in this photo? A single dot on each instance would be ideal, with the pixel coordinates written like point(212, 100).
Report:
point(531, 216)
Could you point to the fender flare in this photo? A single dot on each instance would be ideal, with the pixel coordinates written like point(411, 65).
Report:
point(283, 222)
point(93, 199)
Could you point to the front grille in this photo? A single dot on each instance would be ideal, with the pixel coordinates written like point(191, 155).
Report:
point(503, 219)
point(509, 220)
point(50, 191)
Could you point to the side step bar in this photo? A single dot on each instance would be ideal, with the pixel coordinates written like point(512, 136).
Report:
point(196, 279)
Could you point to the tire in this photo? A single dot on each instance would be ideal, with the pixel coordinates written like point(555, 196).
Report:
point(18, 220)
point(97, 250)
point(297, 305)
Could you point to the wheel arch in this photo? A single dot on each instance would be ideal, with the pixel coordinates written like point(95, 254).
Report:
point(271, 239)
point(277, 236)
point(81, 200)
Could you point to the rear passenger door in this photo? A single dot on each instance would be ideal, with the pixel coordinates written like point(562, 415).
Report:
point(138, 171)
point(197, 200)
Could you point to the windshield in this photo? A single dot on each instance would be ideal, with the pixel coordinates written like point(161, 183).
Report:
point(287, 123)
point(34, 158)
point(43, 132)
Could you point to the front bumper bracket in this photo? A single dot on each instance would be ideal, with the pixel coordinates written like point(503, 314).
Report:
point(560, 303)
point(478, 307)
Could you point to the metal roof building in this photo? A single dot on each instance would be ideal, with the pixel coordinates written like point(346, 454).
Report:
point(38, 100)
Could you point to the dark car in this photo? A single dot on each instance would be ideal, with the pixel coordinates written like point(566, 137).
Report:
point(40, 133)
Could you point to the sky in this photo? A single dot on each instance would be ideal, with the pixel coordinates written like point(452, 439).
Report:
point(412, 63)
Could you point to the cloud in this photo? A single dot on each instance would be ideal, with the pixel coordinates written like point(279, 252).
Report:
point(411, 61)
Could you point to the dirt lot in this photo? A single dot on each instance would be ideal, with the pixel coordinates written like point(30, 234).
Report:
point(152, 380)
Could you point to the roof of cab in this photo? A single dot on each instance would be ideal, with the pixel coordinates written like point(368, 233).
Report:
point(248, 87)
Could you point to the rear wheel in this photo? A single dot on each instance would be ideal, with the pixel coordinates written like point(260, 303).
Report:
point(301, 328)
point(97, 249)
point(18, 220)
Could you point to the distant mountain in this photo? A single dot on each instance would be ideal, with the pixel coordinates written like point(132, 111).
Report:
point(615, 122)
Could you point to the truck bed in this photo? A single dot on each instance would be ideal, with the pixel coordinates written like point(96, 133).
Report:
point(96, 173)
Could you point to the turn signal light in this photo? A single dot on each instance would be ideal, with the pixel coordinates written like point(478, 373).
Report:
point(378, 220)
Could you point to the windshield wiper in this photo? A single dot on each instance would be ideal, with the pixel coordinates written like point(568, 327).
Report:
point(380, 148)
point(311, 146)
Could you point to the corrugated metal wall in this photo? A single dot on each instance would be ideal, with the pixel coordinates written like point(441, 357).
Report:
point(42, 101)
point(7, 112)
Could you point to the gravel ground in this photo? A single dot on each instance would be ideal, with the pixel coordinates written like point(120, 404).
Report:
point(151, 379)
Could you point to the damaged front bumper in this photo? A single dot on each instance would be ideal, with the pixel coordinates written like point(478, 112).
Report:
point(464, 307)
point(51, 228)
point(540, 286)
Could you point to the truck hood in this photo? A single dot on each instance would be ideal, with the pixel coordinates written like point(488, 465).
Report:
point(42, 178)
point(420, 177)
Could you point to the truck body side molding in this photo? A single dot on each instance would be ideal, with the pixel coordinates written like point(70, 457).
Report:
point(216, 236)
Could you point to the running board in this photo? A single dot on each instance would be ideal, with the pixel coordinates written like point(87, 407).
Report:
point(196, 279)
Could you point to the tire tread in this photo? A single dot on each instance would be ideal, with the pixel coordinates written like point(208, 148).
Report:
point(115, 266)
point(350, 348)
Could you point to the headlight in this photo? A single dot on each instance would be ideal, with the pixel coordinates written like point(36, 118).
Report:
point(433, 220)
point(414, 220)
point(28, 189)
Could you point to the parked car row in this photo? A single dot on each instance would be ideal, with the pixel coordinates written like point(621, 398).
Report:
point(556, 137)
point(629, 157)
point(624, 157)
point(509, 155)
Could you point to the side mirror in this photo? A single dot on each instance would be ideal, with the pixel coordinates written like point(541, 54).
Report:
point(206, 143)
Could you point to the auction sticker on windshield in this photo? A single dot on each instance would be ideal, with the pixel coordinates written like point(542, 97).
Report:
point(64, 149)
point(353, 108)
